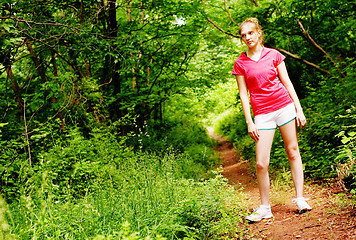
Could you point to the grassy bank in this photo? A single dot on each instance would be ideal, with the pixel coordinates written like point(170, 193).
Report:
point(98, 188)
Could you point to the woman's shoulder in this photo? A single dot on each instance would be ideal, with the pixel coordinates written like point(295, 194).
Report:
point(271, 50)
point(273, 53)
point(242, 57)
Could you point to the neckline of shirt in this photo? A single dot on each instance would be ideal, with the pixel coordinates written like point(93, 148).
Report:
point(262, 52)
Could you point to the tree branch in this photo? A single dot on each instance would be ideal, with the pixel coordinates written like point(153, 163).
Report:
point(255, 2)
point(281, 50)
point(220, 29)
point(20, 19)
point(26, 133)
point(228, 13)
point(303, 60)
point(320, 48)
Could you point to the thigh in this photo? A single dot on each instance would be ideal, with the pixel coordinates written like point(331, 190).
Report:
point(289, 134)
point(264, 144)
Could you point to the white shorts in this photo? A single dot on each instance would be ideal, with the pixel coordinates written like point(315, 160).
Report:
point(277, 118)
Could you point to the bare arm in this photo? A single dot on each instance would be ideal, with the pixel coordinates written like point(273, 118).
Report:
point(283, 75)
point(252, 130)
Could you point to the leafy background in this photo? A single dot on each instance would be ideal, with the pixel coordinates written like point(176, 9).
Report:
point(105, 104)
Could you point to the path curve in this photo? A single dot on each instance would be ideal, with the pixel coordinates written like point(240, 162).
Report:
point(329, 219)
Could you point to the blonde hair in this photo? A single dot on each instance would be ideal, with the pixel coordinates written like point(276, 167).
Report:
point(257, 26)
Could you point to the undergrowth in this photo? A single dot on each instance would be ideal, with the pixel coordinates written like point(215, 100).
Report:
point(97, 188)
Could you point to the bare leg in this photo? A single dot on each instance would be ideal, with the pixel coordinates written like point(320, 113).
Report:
point(289, 135)
point(263, 150)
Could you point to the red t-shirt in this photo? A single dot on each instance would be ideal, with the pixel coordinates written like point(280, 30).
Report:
point(267, 92)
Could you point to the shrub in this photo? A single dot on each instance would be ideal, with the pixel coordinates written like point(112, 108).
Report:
point(346, 166)
point(318, 140)
point(184, 136)
point(90, 188)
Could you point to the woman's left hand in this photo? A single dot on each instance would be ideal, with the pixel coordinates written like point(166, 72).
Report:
point(301, 120)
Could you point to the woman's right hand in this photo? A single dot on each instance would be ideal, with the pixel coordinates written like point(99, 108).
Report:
point(253, 131)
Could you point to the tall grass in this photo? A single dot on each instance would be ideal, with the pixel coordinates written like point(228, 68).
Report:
point(99, 189)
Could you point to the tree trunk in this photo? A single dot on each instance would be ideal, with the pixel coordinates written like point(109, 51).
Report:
point(36, 61)
point(116, 112)
point(43, 75)
point(53, 99)
point(16, 88)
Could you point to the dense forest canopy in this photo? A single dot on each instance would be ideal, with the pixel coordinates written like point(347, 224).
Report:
point(144, 77)
point(106, 57)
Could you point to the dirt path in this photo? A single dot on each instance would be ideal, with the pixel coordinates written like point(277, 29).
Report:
point(331, 217)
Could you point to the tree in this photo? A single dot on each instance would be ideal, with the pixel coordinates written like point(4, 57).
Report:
point(80, 57)
point(316, 33)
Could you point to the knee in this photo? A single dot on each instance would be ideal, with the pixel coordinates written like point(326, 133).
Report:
point(262, 166)
point(293, 153)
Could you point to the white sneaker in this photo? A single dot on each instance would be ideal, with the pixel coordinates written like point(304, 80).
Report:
point(302, 205)
point(260, 213)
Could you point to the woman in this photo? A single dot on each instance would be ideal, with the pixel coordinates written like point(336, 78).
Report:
point(274, 104)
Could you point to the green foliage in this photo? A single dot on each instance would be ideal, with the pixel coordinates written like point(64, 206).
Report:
point(346, 166)
point(232, 124)
point(116, 103)
point(97, 187)
point(319, 141)
point(184, 125)
point(127, 234)
point(79, 63)
point(183, 136)
point(13, 165)
point(5, 230)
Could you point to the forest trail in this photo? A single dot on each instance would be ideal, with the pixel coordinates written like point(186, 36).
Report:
point(329, 219)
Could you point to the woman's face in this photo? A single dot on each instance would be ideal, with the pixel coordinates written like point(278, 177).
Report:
point(250, 35)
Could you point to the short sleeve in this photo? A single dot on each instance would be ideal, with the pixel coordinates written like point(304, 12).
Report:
point(237, 70)
point(278, 58)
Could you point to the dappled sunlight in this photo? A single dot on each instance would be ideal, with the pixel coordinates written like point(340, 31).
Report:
point(122, 119)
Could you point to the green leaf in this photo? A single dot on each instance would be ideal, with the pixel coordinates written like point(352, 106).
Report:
point(352, 134)
point(345, 140)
